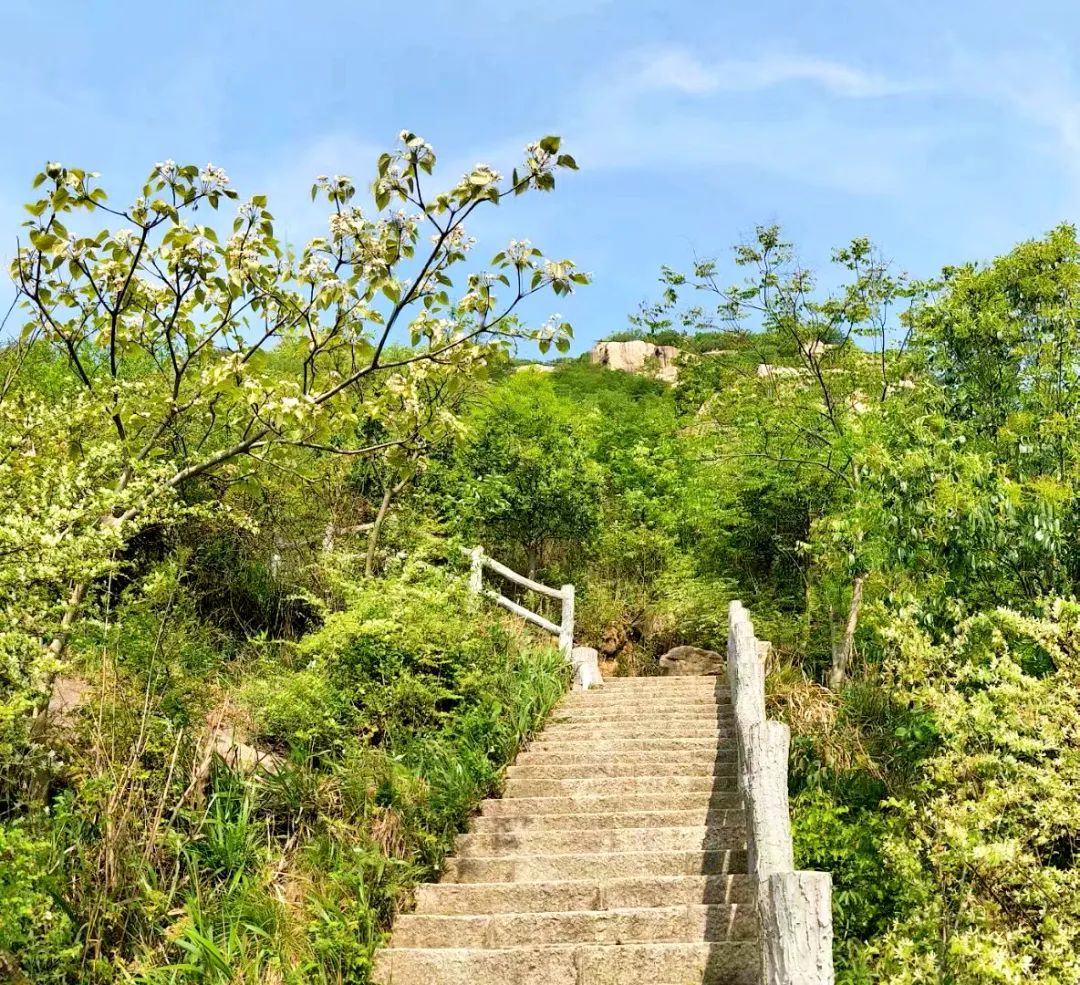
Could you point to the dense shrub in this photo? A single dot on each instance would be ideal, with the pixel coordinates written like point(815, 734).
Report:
point(389, 725)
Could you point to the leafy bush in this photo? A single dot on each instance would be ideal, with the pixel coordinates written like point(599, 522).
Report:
point(396, 717)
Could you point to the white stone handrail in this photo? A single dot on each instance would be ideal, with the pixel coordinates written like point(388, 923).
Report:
point(794, 908)
point(584, 659)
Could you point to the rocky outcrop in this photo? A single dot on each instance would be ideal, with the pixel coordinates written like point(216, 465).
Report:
point(766, 370)
point(684, 661)
point(638, 356)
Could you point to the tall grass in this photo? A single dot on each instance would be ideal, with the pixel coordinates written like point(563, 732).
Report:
point(149, 862)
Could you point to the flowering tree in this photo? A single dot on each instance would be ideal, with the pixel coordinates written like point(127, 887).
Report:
point(170, 332)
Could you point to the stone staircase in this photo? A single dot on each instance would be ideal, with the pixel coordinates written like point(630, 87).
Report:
point(617, 855)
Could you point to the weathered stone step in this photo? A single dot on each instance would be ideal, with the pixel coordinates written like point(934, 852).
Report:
point(721, 758)
point(583, 894)
point(616, 803)
point(642, 702)
point(645, 703)
point(696, 818)
point(561, 842)
point(628, 926)
point(582, 770)
point(710, 684)
point(638, 730)
point(718, 963)
point(606, 785)
point(592, 865)
point(615, 745)
point(706, 718)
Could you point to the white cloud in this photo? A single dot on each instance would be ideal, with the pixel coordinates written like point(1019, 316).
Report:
point(679, 69)
point(666, 109)
point(1039, 88)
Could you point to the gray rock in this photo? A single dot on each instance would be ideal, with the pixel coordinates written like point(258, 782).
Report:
point(686, 661)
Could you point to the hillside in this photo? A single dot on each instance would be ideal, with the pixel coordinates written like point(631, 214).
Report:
point(250, 702)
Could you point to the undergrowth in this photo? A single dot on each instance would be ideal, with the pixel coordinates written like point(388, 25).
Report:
point(148, 859)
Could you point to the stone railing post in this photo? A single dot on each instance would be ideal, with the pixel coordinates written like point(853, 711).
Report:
point(566, 625)
point(476, 570)
point(746, 678)
point(769, 840)
point(796, 928)
point(794, 908)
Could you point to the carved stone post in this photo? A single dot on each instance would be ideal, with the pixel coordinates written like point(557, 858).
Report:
point(796, 928)
point(769, 843)
point(586, 667)
point(566, 626)
point(746, 677)
point(476, 570)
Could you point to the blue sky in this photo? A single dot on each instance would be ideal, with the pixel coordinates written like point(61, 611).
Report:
point(945, 131)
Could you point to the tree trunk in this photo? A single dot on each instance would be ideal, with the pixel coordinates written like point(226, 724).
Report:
point(71, 613)
point(373, 537)
point(532, 555)
point(842, 654)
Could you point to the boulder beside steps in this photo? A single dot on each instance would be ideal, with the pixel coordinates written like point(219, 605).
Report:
point(617, 855)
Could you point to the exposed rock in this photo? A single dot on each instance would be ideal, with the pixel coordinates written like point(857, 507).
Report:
point(68, 695)
point(638, 356)
point(229, 745)
point(535, 368)
point(685, 661)
point(765, 370)
point(224, 738)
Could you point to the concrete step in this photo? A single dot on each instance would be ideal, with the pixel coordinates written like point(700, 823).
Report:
point(701, 817)
point(606, 785)
point(566, 771)
point(723, 758)
point(717, 963)
point(638, 730)
point(629, 926)
point(562, 842)
point(592, 865)
point(583, 894)
point(617, 803)
point(613, 745)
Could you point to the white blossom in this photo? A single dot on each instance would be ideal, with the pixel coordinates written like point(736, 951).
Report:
point(213, 176)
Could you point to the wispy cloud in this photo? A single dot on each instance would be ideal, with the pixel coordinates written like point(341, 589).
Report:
point(668, 107)
point(681, 70)
point(1039, 88)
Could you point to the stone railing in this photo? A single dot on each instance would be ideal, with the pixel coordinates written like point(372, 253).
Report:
point(583, 658)
point(794, 908)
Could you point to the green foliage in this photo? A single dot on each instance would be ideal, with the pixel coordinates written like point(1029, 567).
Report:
point(990, 823)
point(213, 444)
point(37, 935)
point(382, 731)
point(868, 891)
point(523, 477)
